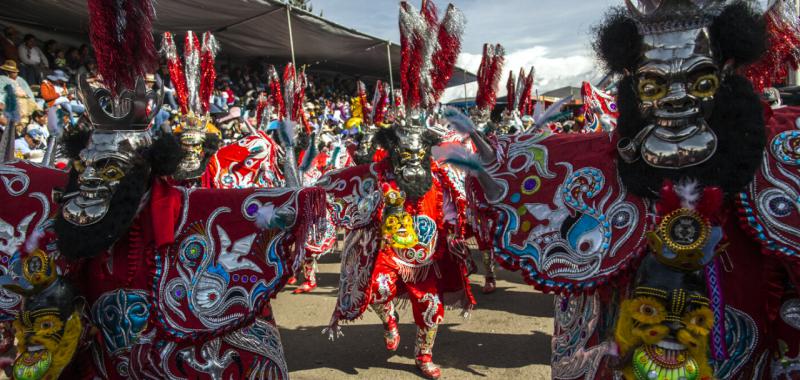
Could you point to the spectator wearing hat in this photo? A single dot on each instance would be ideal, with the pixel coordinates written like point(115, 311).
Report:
point(39, 122)
point(54, 91)
point(32, 58)
point(8, 44)
point(31, 145)
point(15, 94)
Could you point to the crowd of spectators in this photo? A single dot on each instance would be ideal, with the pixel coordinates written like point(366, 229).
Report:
point(37, 88)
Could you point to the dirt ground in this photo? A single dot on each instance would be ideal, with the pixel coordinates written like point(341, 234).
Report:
point(507, 336)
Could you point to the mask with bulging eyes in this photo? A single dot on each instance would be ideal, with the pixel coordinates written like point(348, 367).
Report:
point(48, 327)
point(101, 168)
point(675, 86)
point(663, 330)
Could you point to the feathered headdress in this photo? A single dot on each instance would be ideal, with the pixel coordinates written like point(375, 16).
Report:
point(489, 73)
point(429, 48)
point(121, 35)
point(193, 78)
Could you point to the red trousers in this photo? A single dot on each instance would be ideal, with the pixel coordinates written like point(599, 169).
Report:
point(426, 303)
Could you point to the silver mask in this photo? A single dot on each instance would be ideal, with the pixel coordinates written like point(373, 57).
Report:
point(675, 85)
point(103, 164)
point(120, 131)
point(412, 150)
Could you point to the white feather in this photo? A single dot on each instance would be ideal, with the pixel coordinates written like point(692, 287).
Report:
point(689, 193)
point(265, 216)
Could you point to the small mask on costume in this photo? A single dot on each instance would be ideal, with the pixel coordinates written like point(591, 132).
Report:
point(398, 225)
point(111, 151)
point(663, 329)
point(48, 327)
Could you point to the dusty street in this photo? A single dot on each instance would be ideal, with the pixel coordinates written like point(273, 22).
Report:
point(507, 336)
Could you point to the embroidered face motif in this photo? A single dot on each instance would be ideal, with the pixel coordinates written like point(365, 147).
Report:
point(398, 229)
point(664, 327)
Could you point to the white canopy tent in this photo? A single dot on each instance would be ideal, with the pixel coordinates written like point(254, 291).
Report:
point(246, 29)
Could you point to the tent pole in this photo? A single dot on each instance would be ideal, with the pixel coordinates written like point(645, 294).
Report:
point(464, 72)
point(391, 76)
point(291, 37)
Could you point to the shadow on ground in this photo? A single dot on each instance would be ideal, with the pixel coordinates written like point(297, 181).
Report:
point(467, 351)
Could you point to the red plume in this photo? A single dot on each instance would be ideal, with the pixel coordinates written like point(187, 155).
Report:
point(526, 100)
point(176, 74)
point(444, 60)
point(275, 91)
point(208, 75)
point(429, 50)
point(380, 100)
point(710, 204)
point(668, 200)
point(366, 107)
point(121, 35)
point(512, 93)
point(783, 29)
point(489, 75)
point(300, 84)
point(261, 109)
point(411, 28)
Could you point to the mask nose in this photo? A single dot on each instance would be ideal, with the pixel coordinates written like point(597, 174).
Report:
point(89, 177)
point(675, 326)
point(677, 99)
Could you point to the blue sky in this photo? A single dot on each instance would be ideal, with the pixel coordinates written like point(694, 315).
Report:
point(552, 35)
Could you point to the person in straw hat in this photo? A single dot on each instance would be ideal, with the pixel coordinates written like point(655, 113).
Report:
point(15, 93)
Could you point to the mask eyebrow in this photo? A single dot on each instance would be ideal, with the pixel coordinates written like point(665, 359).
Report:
point(654, 68)
point(698, 63)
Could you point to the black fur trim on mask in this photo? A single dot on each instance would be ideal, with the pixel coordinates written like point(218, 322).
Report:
point(738, 33)
point(165, 155)
point(74, 140)
point(387, 139)
point(211, 144)
point(737, 120)
point(76, 242)
point(617, 42)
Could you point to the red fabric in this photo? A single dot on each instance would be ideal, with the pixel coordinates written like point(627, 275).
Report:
point(165, 206)
point(385, 278)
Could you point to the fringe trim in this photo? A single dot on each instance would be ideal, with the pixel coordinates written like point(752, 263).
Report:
point(412, 274)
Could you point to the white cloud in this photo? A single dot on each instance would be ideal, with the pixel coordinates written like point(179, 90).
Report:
point(551, 71)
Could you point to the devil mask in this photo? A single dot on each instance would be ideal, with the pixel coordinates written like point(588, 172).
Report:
point(409, 145)
point(684, 112)
point(112, 171)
